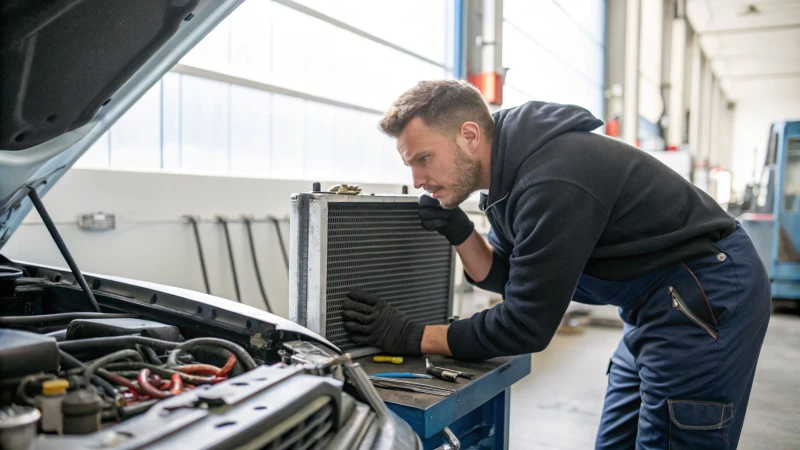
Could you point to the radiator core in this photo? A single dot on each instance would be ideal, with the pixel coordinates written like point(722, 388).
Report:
point(375, 243)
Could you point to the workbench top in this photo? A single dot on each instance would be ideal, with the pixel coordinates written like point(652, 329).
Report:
point(428, 414)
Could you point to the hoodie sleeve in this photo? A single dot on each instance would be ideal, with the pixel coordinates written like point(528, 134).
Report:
point(497, 277)
point(557, 224)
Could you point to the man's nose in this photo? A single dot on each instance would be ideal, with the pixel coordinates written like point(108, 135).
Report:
point(418, 178)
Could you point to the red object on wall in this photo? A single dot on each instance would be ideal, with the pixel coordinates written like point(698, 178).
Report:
point(490, 84)
point(612, 128)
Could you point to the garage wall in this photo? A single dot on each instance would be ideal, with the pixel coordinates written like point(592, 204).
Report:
point(554, 50)
point(153, 242)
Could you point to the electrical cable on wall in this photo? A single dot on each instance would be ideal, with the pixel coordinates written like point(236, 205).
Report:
point(278, 232)
point(193, 221)
point(224, 223)
point(248, 225)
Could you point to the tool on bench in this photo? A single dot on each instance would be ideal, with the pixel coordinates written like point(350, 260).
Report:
point(388, 383)
point(446, 374)
point(402, 375)
point(388, 359)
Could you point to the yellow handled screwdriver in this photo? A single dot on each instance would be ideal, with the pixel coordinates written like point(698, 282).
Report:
point(388, 359)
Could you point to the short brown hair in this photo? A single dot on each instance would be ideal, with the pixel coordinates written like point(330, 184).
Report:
point(442, 104)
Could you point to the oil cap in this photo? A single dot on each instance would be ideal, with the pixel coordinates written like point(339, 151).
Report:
point(55, 387)
point(81, 410)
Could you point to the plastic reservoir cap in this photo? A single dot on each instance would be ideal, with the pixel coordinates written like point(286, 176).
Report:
point(55, 387)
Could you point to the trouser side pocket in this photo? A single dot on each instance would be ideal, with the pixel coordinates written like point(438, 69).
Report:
point(699, 424)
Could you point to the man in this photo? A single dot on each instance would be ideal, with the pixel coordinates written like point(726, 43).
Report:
point(576, 215)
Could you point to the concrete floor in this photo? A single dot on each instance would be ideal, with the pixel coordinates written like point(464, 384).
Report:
point(558, 405)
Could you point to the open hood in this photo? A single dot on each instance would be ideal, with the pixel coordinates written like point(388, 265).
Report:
point(70, 69)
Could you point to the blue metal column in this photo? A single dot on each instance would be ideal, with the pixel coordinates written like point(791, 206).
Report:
point(459, 61)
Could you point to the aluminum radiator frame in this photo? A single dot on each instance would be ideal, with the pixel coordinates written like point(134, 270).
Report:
point(308, 260)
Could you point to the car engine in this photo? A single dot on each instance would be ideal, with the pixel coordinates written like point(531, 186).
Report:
point(153, 371)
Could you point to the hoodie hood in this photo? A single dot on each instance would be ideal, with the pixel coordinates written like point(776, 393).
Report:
point(521, 131)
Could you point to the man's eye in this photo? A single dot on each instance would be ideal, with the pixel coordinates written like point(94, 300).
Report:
point(424, 158)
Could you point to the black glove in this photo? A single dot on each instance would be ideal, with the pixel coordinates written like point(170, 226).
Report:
point(371, 321)
point(450, 223)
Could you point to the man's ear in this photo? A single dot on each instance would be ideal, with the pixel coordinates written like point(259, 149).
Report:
point(471, 133)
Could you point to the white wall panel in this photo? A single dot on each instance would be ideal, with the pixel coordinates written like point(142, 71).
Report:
point(319, 141)
point(204, 125)
point(98, 154)
point(171, 121)
point(250, 131)
point(136, 137)
point(417, 25)
point(554, 51)
point(287, 156)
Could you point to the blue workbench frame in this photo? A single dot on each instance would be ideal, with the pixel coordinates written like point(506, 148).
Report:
point(478, 413)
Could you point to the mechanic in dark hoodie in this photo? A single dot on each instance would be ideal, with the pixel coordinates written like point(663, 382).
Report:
point(579, 216)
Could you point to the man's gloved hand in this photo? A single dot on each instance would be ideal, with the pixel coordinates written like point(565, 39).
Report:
point(371, 321)
point(450, 223)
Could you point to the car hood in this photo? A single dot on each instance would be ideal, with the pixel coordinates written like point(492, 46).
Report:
point(70, 69)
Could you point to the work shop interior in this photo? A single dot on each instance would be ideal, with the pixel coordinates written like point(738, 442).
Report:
point(413, 225)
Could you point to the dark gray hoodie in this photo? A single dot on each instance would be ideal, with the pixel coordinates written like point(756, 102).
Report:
point(564, 201)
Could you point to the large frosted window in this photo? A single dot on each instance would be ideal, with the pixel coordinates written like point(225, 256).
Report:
point(214, 126)
point(554, 50)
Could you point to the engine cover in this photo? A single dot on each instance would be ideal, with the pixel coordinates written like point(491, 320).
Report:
point(91, 328)
point(23, 353)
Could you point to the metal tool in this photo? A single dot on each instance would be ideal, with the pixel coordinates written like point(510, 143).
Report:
point(402, 375)
point(442, 373)
point(388, 383)
point(388, 359)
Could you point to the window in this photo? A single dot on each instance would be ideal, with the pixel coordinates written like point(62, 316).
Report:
point(346, 63)
point(791, 177)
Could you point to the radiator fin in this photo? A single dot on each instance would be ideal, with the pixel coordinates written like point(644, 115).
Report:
point(382, 249)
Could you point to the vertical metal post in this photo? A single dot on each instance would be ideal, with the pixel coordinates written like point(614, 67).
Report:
point(630, 110)
point(677, 82)
point(695, 97)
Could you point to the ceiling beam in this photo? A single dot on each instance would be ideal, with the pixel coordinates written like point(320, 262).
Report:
point(724, 31)
point(764, 76)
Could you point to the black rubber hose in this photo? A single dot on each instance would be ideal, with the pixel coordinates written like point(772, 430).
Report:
point(62, 247)
point(20, 320)
point(115, 343)
point(224, 223)
point(77, 365)
point(23, 385)
point(248, 225)
point(60, 335)
point(193, 221)
point(280, 239)
point(241, 354)
point(116, 356)
point(126, 412)
point(151, 355)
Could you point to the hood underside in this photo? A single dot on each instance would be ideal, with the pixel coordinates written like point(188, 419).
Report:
point(70, 69)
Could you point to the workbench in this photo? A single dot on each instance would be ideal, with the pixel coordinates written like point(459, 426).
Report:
point(477, 412)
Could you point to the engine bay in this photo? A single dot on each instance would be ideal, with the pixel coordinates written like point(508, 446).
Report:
point(153, 367)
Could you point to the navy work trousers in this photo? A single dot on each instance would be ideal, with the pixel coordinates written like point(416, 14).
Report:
point(682, 373)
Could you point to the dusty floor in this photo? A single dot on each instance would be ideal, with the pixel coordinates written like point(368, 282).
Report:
point(558, 405)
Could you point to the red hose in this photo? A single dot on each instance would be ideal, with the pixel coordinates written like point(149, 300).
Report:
point(228, 366)
point(177, 384)
point(148, 388)
point(122, 381)
point(199, 368)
